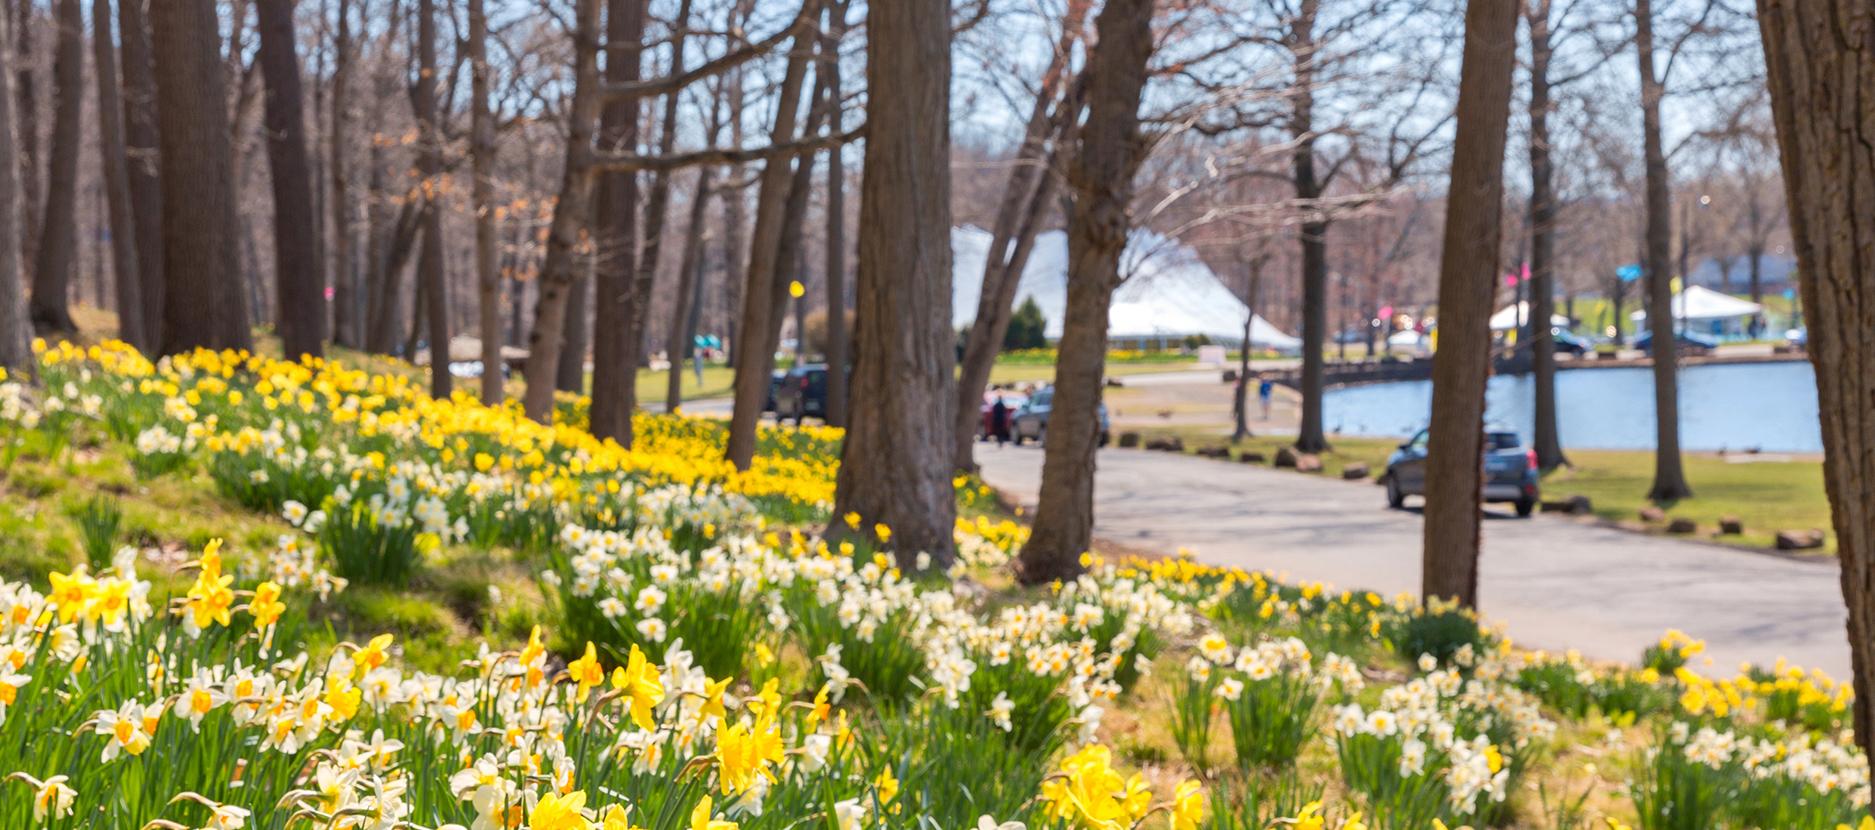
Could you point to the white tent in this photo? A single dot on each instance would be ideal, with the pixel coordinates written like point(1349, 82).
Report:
point(1701, 303)
point(1168, 292)
point(1510, 316)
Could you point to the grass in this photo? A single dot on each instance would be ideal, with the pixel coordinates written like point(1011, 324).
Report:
point(1343, 450)
point(1767, 496)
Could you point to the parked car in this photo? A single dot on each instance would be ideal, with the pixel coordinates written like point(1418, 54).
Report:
point(1687, 342)
point(1012, 400)
point(801, 392)
point(1510, 471)
point(1798, 337)
point(1031, 420)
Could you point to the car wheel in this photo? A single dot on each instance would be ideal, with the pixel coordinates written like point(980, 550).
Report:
point(1041, 435)
point(1525, 507)
point(1105, 437)
point(1396, 498)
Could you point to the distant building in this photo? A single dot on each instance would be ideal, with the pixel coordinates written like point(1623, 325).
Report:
point(1169, 294)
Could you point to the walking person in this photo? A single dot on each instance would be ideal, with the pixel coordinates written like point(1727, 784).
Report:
point(1266, 387)
point(999, 421)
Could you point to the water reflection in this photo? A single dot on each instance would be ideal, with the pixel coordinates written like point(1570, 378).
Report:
point(1768, 406)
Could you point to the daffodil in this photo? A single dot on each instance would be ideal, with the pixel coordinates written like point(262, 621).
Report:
point(586, 671)
point(560, 812)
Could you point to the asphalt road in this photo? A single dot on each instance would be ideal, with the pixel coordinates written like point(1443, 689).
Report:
point(1555, 582)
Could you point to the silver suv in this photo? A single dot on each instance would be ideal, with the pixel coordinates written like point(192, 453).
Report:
point(1510, 471)
point(1030, 422)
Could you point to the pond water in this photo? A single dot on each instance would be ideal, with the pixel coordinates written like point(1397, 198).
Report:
point(1767, 406)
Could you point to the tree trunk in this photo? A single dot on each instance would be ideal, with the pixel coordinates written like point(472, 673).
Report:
point(202, 298)
point(572, 213)
point(689, 292)
point(837, 337)
point(140, 142)
point(1101, 177)
point(346, 320)
point(1818, 56)
point(1313, 236)
point(482, 195)
point(430, 269)
point(58, 231)
point(1241, 403)
point(116, 168)
point(1669, 476)
point(301, 309)
point(15, 330)
point(755, 355)
point(892, 468)
point(1549, 453)
point(615, 234)
point(27, 64)
point(1468, 270)
point(1029, 188)
point(577, 339)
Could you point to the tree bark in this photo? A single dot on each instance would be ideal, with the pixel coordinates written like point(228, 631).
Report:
point(346, 319)
point(140, 141)
point(26, 63)
point(482, 196)
point(202, 298)
point(572, 213)
point(1820, 57)
point(1241, 404)
point(615, 233)
point(15, 329)
point(1669, 475)
point(755, 356)
point(1028, 190)
point(1313, 236)
point(1468, 270)
point(1549, 453)
point(114, 163)
point(1101, 178)
point(577, 339)
point(58, 231)
point(430, 267)
point(838, 340)
point(892, 468)
point(301, 311)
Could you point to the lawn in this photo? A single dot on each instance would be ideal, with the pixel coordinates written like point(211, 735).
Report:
point(1768, 495)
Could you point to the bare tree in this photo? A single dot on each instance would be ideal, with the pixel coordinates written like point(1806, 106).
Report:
point(615, 233)
point(1669, 475)
point(346, 322)
point(893, 466)
point(430, 274)
point(58, 231)
point(838, 339)
point(1028, 191)
point(15, 330)
point(1109, 152)
point(482, 197)
point(1467, 286)
point(115, 165)
point(27, 89)
point(754, 356)
point(140, 146)
point(1819, 81)
point(202, 302)
point(301, 314)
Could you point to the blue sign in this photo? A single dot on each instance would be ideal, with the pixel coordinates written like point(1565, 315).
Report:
point(1629, 272)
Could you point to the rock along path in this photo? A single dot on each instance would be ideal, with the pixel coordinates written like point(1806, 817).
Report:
point(1556, 583)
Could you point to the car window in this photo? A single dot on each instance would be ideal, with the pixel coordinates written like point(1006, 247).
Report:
point(1502, 441)
point(1042, 398)
point(1419, 441)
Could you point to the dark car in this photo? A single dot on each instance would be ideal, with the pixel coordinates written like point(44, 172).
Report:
point(802, 392)
point(1688, 342)
point(1510, 471)
point(1030, 422)
point(774, 386)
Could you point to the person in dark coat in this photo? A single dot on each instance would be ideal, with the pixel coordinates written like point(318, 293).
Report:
point(999, 421)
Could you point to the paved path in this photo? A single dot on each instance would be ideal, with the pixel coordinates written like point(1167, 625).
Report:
point(1557, 583)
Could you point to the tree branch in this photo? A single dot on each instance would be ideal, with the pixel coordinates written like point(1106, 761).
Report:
point(630, 162)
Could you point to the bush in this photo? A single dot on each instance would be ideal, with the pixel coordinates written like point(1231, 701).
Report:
point(1027, 327)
